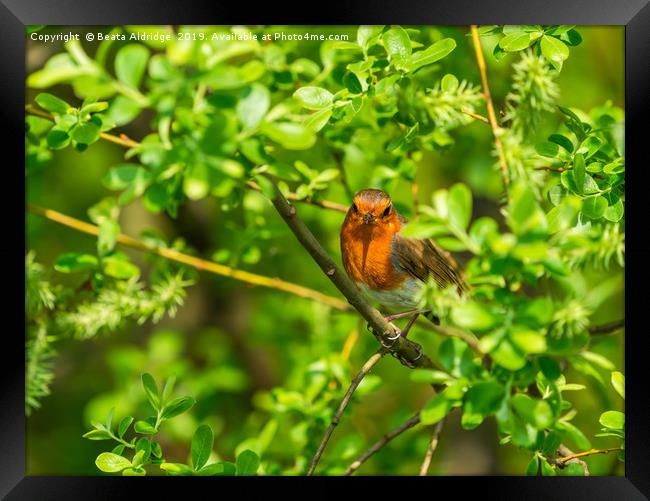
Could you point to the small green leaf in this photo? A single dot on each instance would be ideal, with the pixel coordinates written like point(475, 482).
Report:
point(151, 390)
point(594, 207)
point(222, 468)
point(290, 135)
point(529, 341)
point(614, 213)
point(85, 133)
point(202, 443)
point(618, 382)
point(397, 43)
point(144, 428)
point(253, 105)
point(435, 409)
point(515, 41)
point(177, 406)
point(124, 426)
point(52, 103)
point(247, 463)
point(533, 466)
point(316, 121)
point(313, 98)
point(547, 149)
point(57, 138)
point(554, 50)
point(119, 268)
point(431, 54)
point(472, 315)
point(579, 173)
point(177, 469)
point(534, 411)
point(561, 140)
point(131, 63)
point(97, 435)
point(614, 420)
point(459, 206)
point(111, 463)
point(72, 262)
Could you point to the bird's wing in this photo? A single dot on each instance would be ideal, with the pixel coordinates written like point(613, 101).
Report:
point(422, 258)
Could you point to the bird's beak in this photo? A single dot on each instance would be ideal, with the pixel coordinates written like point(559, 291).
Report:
point(368, 218)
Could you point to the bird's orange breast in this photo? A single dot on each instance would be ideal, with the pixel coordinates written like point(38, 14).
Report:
point(366, 254)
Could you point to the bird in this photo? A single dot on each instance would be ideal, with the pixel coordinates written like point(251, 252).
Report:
point(388, 267)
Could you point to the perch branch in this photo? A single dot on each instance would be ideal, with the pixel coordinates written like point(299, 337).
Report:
point(480, 60)
point(195, 262)
point(324, 204)
point(406, 351)
point(370, 363)
point(603, 330)
point(410, 423)
point(565, 452)
point(570, 457)
point(424, 469)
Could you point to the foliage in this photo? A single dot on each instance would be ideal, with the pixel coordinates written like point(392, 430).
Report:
point(146, 451)
point(215, 118)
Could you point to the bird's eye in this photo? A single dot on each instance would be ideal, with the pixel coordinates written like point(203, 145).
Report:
point(355, 208)
point(387, 211)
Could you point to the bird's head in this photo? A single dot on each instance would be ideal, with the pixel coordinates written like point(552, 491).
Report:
point(372, 207)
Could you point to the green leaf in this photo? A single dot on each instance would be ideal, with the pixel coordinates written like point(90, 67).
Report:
point(515, 41)
point(430, 376)
point(196, 183)
point(168, 388)
point(144, 428)
point(397, 43)
point(52, 103)
point(547, 149)
point(119, 268)
point(109, 230)
point(151, 390)
point(72, 262)
point(122, 175)
point(508, 356)
point(459, 206)
point(554, 50)
point(618, 382)
point(435, 409)
point(177, 469)
point(202, 443)
point(221, 468)
point(561, 140)
point(290, 135)
point(131, 63)
point(613, 420)
point(352, 83)
point(247, 463)
point(57, 138)
point(177, 406)
point(594, 207)
point(579, 173)
point(111, 463)
point(472, 315)
point(528, 341)
point(124, 426)
point(614, 213)
point(551, 443)
point(481, 400)
point(533, 466)
point(316, 121)
point(121, 111)
point(534, 411)
point(365, 34)
point(85, 133)
point(431, 54)
point(550, 368)
point(313, 98)
point(578, 438)
point(253, 105)
point(97, 435)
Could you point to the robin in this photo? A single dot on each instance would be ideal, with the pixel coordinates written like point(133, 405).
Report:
point(386, 266)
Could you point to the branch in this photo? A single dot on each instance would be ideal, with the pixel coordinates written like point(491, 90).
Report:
point(475, 115)
point(572, 456)
point(342, 406)
point(406, 351)
point(324, 204)
point(195, 262)
point(410, 423)
point(424, 469)
point(564, 451)
point(489, 105)
point(605, 329)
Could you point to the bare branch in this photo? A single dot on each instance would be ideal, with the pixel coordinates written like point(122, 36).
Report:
point(370, 363)
point(195, 262)
point(605, 329)
point(424, 469)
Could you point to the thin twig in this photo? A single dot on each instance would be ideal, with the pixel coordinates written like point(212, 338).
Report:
point(195, 262)
point(570, 457)
point(324, 204)
point(344, 178)
point(489, 104)
point(475, 115)
point(406, 351)
point(610, 328)
point(564, 451)
point(424, 469)
point(370, 363)
point(410, 423)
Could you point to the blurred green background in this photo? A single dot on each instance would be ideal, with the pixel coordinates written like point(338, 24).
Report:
point(231, 344)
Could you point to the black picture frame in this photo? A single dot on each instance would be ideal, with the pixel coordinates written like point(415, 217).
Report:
point(633, 14)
